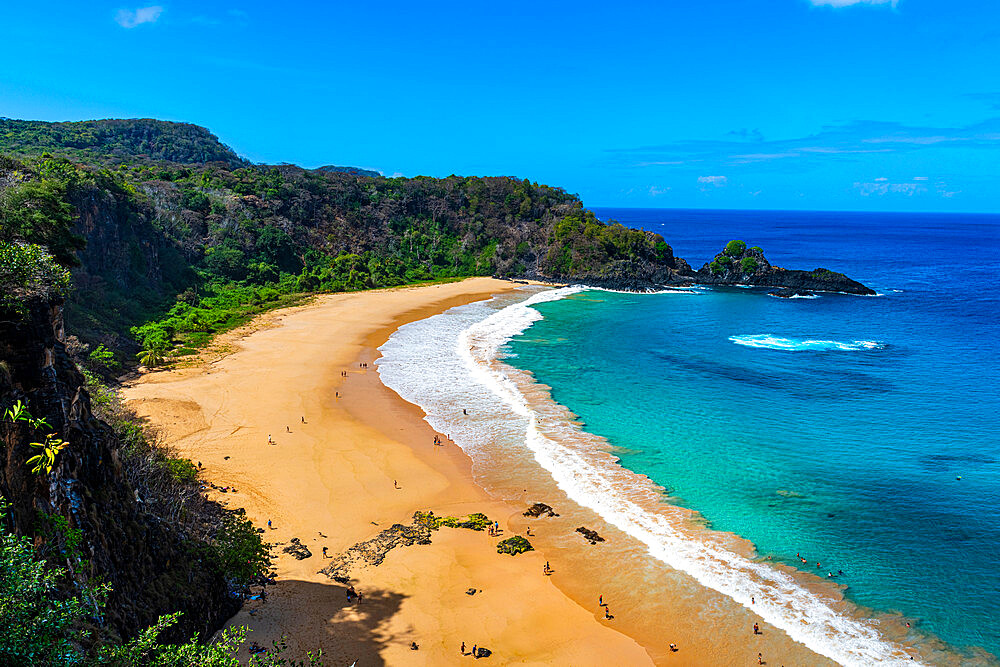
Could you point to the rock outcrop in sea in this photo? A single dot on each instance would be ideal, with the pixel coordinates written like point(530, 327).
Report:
point(739, 265)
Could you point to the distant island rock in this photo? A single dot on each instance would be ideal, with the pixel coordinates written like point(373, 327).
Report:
point(739, 265)
point(356, 171)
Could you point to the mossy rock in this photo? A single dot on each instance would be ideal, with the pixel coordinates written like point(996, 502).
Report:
point(514, 546)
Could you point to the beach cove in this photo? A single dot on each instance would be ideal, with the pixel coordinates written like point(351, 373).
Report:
point(331, 481)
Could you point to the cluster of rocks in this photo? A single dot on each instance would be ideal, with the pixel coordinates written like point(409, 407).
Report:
point(298, 550)
point(539, 510)
point(374, 551)
point(590, 535)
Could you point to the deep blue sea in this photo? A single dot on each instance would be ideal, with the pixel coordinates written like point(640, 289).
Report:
point(837, 427)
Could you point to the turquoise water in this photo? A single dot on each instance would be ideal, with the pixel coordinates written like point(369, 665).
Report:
point(835, 427)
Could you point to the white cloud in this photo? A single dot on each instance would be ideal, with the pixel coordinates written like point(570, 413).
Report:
point(920, 178)
point(655, 191)
point(717, 181)
point(130, 18)
point(882, 187)
point(848, 3)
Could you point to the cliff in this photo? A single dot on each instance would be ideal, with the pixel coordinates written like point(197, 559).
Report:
point(86, 515)
point(739, 265)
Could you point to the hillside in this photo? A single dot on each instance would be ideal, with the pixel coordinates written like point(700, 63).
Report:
point(181, 247)
point(127, 140)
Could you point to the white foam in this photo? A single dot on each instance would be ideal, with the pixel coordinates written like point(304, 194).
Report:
point(418, 366)
point(796, 296)
point(772, 342)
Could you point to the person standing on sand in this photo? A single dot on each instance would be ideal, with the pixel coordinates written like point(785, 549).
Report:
point(756, 629)
point(475, 652)
point(760, 659)
point(600, 600)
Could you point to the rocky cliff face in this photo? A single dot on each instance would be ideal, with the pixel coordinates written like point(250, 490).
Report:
point(739, 265)
point(153, 566)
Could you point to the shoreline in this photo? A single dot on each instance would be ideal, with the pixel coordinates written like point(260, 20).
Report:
point(328, 480)
point(653, 606)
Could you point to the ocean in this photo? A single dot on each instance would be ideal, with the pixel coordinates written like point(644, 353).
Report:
point(853, 438)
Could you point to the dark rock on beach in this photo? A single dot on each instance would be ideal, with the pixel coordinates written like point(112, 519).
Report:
point(739, 265)
point(590, 535)
point(298, 550)
point(374, 551)
point(539, 510)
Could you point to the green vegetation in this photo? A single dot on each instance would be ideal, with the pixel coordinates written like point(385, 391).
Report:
point(720, 264)
point(581, 244)
point(749, 264)
point(37, 212)
point(50, 446)
point(109, 140)
point(40, 624)
point(735, 248)
point(191, 240)
point(476, 521)
point(36, 621)
point(240, 551)
point(514, 546)
point(28, 272)
point(757, 248)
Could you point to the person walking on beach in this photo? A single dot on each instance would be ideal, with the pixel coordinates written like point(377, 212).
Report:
point(600, 600)
point(463, 648)
point(269, 524)
point(269, 441)
point(756, 629)
point(475, 651)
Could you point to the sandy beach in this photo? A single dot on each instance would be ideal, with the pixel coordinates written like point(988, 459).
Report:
point(350, 458)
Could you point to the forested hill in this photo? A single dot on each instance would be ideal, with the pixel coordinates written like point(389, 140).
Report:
point(172, 237)
point(130, 140)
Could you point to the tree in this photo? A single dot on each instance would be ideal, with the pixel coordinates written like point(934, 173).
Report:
point(735, 248)
point(36, 212)
point(151, 357)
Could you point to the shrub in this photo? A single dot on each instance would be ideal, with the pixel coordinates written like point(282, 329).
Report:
point(102, 357)
point(29, 271)
point(748, 264)
point(240, 551)
point(735, 248)
point(36, 623)
point(182, 470)
point(514, 545)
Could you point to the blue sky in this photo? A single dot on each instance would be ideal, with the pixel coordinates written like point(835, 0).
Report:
point(802, 104)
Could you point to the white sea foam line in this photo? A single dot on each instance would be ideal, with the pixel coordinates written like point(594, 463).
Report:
point(782, 601)
point(772, 342)
point(414, 366)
